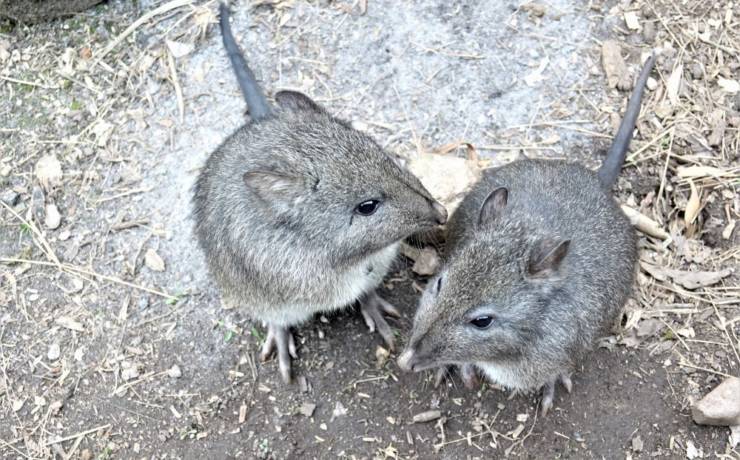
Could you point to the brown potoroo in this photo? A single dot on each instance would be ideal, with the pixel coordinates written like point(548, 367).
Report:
point(539, 260)
point(298, 213)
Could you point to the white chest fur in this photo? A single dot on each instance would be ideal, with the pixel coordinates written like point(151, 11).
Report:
point(501, 374)
point(341, 289)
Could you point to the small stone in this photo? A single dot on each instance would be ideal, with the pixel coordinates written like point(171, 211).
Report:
point(10, 197)
point(174, 372)
point(49, 172)
point(381, 355)
point(64, 235)
point(631, 20)
point(427, 416)
point(696, 70)
point(637, 444)
point(54, 352)
point(5, 170)
point(692, 452)
point(53, 218)
point(721, 406)
point(652, 84)
point(130, 371)
point(307, 409)
point(522, 417)
point(339, 410)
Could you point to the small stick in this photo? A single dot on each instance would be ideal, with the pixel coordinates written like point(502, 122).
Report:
point(176, 84)
point(130, 29)
point(78, 435)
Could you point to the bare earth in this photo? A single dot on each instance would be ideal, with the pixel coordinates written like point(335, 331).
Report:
point(113, 341)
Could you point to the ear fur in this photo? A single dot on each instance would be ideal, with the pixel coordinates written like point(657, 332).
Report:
point(276, 188)
point(494, 203)
point(546, 257)
point(293, 100)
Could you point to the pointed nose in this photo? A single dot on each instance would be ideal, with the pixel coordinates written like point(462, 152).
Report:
point(440, 213)
point(406, 360)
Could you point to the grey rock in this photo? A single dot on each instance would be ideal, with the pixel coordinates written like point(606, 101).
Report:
point(721, 406)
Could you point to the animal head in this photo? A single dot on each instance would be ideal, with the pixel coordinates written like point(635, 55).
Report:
point(488, 301)
point(334, 185)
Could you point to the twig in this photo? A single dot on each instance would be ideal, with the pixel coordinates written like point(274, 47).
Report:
point(78, 435)
point(79, 270)
point(130, 29)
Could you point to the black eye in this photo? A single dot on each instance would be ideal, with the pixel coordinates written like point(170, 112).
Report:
point(482, 322)
point(367, 208)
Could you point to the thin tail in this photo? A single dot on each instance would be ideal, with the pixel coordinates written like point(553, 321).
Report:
point(256, 101)
point(615, 158)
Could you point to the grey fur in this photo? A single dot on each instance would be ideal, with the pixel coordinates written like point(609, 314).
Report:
point(542, 248)
point(274, 211)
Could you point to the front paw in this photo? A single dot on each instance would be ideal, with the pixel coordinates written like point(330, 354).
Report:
point(467, 372)
point(374, 309)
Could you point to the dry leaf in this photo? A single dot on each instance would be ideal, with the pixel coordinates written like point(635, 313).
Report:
point(693, 206)
point(674, 83)
point(729, 86)
point(630, 18)
point(615, 68)
point(153, 261)
point(69, 323)
point(49, 172)
point(689, 280)
point(645, 224)
point(426, 260)
point(702, 171)
point(179, 49)
point(448, 178)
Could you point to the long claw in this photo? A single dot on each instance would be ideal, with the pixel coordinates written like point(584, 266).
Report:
point(469, 376)
point(440, 375)
point(567, 382)
point(548, 394)
point(280, 339)
point(373, 309)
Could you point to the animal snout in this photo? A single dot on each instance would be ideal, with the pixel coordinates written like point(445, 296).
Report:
point(407, 360)
point(440, 213)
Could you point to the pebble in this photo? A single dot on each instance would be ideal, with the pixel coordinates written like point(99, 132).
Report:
point(307, 409)
point(696, 71)
point(54, 352)
point(53, 218)
point(652, 84)
point(10, 197)
point(721, 407)
point(174, 372)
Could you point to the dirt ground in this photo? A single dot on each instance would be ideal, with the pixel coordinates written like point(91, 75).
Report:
point(113, 341)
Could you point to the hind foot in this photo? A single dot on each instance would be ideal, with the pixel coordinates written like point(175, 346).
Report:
point(467, 373)
point(280, 339)
point(548, 391)
point(374, 309)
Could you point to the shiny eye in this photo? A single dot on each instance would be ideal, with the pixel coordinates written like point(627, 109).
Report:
point(482, 322)
point(438, 285)
point(367, 208)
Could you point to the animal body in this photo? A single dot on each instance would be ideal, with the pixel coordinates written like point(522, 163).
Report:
point(299, 213)
point(539, 260)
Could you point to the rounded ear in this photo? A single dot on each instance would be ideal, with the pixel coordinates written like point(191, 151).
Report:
point(546, 257)
point(275, 188)
point(293, 100)
point(494, 203)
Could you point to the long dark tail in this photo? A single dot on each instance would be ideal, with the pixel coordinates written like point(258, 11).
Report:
point(256, 101)
point(615, 158)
